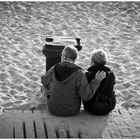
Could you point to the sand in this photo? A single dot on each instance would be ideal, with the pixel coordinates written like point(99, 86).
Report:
point(112, 26)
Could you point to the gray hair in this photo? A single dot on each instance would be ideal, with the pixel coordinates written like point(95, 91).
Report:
point(71, 52)
point(99, 57)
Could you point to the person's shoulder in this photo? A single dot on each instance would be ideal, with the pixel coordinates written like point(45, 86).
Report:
point(50, 70)
point(111, 72)
point(111, 76)
point(80, 72)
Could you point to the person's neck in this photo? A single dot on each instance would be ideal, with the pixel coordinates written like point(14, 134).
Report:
point(70, 61)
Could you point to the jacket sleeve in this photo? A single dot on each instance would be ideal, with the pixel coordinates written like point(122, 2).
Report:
point(86, 90)
point(46, 79)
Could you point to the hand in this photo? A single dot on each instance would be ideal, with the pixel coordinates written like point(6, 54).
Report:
point(100, 75)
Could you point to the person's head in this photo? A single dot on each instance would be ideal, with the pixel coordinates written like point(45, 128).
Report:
point(99, 57)
point(69, 53)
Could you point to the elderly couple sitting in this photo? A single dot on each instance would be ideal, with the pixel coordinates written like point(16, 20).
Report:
point(67, 85)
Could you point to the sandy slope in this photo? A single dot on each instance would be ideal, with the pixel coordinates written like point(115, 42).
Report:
point(113, 27)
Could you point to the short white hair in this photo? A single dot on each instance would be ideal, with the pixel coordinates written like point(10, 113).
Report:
point(71, 52)
point(99, 57)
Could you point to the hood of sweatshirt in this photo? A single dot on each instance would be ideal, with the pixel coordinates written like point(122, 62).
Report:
point(64, 70)
point(94, 69)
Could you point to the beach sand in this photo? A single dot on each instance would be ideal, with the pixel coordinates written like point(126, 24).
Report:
point(112, 26)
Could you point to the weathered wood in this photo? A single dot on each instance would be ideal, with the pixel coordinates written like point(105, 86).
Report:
point(81, 125)
point(16, 118)
point(28, 120)
point(50, 131)
point(112, 130)
point(118, 124)
point(60, 131)
point(6, 128)
point(18, 128)
point(38, 124)
point(135, 118)
point(101, 122)
point(71, 131)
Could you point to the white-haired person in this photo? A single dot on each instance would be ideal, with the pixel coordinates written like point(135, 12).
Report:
point(65, 85)
point(104, 99)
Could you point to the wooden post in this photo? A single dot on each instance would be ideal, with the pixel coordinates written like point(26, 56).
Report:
point(53, 48)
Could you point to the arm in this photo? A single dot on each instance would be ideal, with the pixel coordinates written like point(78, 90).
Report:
point(86, 90)
point(45, 79)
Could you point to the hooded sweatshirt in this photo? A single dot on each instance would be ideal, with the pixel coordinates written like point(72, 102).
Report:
point(108, 91)
point(67, 85)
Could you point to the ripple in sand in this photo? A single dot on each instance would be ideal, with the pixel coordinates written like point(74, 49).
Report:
point(20, 97)
point(34, 78)
point(8, 104)
point(114, 65)
point(13, 91)
point(13, 72)
point(5, 98)
point(27, 67)
point(27, 83)
point(3, 87)
point(126, 94)
point(136, 73)
point(127, 85)
point(3, 76)
point(135, 81)
point(17, 80)
point(110, 26)
point(19, 87)
point(120, 87)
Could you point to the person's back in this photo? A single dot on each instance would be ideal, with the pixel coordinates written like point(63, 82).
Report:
point(105, 93)
point(65, 100)
point(66, 85)
point(110, 79)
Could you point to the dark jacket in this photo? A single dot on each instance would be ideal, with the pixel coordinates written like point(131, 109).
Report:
point(107, 99)
point(66, 85)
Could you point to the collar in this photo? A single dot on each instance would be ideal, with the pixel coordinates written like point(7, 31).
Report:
point(68, 61)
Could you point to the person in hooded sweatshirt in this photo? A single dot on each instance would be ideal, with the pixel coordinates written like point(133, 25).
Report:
point(104, 100)
point(65, 85)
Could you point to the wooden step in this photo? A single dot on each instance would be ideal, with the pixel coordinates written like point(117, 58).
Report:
point(41, 124)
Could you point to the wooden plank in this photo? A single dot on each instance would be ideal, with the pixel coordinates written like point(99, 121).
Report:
point(49, 130)
point(12, 125)
point(86, 124)
point(60, 131)
point(135, 115)
point(71, 131)
point(108, 129)
point(53, 124)
point(119, 124)
point(119, 121)
point(28, 120)
point(18, 128)
point(100, 123)
point(128, 122)
point(50, 123)
point(16, 118)
point(38, 125)
point(114, 127)
point(79, 124)
point(6, 128)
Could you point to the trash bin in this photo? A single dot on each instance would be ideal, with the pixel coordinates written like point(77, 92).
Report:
point(52, 50)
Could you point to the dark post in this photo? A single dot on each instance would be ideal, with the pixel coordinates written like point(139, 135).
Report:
point(53, 51)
